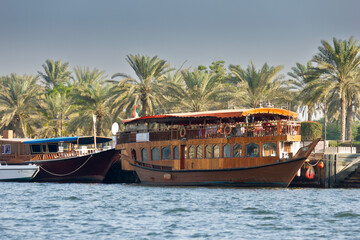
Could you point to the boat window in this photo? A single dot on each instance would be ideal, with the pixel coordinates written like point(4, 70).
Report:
point(144, 154)
point(133, 155)
point(52, 148)
point(6, 149)
point(35, 148)
point(237, 150)
point(165, 153)
point(155, 154)
point(269, 149)
point(191, 152)
point(216, 151)
point(176, 152)
point(208, 151)
point(252, 150)
point(43, 148)
point(199, 151)
point(227, 150)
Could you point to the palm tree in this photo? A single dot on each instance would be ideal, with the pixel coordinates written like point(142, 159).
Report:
point(302, 75)
point(54, 111)
point(91, 95)
point(338, 64)
point(254, 86)
point(56, 74)
point(315, 92)
point(18, 103)
point(146, 91)
point(199, 91)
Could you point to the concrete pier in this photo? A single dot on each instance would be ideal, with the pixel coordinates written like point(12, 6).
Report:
point(340, 170)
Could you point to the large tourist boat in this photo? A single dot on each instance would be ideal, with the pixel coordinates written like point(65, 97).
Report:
point(238, 147)
point(63, 159)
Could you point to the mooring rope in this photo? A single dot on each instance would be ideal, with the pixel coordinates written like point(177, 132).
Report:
point(313, 165)
point(66, 174)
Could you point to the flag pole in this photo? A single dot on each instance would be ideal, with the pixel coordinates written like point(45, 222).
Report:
point(94, 127)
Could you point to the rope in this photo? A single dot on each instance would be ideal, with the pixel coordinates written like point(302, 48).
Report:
point(66, 174)
point(313, 165)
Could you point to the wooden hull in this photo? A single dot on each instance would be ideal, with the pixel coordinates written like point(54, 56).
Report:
point(90, 168)
point(17, 173)
point(271, 175)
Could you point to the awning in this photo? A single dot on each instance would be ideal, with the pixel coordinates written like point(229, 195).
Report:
point(228, 113)
point(74, 140)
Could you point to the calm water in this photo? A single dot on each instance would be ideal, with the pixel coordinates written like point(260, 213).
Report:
point(99, 211)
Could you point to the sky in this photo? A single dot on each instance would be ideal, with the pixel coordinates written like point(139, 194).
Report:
point(100, 34)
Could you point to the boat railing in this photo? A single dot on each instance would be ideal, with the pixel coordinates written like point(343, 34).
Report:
point(257, 129)
point(60, 155)
point(7, 157)
point(154, 166)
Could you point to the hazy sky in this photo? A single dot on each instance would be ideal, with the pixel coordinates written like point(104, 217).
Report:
point(101, 33)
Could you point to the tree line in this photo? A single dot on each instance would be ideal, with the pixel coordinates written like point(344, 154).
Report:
point(59, 101)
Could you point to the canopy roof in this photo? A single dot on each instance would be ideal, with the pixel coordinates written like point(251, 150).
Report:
point(82, 140)
point(218, 114)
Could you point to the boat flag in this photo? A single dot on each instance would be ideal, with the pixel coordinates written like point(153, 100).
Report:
point(135, 112)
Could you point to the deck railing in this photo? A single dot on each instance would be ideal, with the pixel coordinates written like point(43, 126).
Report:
point(60, 155)
point(257, 129)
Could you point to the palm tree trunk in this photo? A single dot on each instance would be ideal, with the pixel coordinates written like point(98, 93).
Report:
point(23, 128)
point(325, 125)
point(343, 118)
point(98, 125)
point(349, 115)
point(144, 108)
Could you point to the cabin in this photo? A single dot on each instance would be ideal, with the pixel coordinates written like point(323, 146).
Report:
point(13, 150)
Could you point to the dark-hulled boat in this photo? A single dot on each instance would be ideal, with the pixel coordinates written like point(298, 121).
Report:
point(68, 159)
point(240, 147)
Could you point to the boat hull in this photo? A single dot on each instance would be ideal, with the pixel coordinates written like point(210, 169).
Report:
point(17, 173)
point(90, 168)
point(272, 175)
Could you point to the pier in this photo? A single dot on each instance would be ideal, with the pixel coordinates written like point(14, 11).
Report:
point(338, 167)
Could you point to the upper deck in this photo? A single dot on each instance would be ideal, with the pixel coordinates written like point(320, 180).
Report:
point(259, 122)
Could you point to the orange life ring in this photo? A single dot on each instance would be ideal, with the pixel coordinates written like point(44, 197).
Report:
point(182, 132)
point(227, 130)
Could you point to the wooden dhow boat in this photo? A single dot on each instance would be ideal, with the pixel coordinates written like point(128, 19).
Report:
point(68, 159)
point(239, 147)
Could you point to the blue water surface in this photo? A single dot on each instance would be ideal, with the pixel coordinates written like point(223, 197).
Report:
point(120, 211)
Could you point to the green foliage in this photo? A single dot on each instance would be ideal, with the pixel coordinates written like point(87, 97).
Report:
point(310, 130)
point(338, 65)
point(147, 92)
point(18, 103)
point(332, 129)
point(258, 86)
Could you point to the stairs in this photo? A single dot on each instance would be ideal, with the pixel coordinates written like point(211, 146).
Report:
point(353, 180)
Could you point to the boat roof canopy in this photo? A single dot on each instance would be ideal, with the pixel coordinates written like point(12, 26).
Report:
point(237, 114)
point(74, 140)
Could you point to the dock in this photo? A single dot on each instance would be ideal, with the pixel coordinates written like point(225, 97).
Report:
point(337, 170)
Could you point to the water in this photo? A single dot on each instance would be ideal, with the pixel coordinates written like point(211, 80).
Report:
point(119, 211)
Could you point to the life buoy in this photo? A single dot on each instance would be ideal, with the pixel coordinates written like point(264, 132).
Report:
point(227, 130)
point(182, 132)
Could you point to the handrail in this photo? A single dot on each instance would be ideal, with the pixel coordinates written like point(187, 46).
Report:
point(257, 129)
point(154, 166)
point(62, 155)
point(145, 164)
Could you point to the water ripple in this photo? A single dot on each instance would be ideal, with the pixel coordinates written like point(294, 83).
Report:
point(128, 211)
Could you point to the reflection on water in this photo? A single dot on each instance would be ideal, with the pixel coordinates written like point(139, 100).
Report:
point(118, 211)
